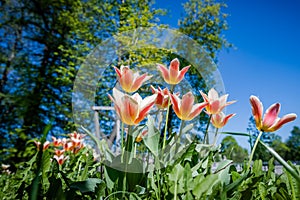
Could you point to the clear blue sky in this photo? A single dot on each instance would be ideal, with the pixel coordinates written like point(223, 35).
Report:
point(266, 61)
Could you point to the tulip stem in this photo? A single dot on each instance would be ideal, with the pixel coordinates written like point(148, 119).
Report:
point(216, 134)
point(206, 138)
point(180, 130)
point(253, 150)
point(167, 118)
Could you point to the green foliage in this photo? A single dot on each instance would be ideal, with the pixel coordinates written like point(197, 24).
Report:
point(231, 150)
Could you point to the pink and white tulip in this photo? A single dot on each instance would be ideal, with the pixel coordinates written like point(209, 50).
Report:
point(130, 81)
point(184, 108)
point(270, 122)
point(162, 98)
point(220, 119)
point(132, 109)
point(173, 75)
point(215, 103)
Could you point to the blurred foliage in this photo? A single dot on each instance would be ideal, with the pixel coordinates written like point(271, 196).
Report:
point(232, 151)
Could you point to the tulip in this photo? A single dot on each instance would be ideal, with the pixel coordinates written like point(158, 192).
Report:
point(185, 108)
point(215, 103)
point(132, 109)
point(270, 122)
point(45, 145)
point(162, 99)
point(220, 119)
point(60, 159)
point(129, 81)
point(173, 75)
point(141, 136)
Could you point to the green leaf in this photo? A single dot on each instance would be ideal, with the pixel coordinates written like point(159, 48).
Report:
point(236, 133)
point(262, 190)
point(206, 185)
point(88, 185)
point(151, 140)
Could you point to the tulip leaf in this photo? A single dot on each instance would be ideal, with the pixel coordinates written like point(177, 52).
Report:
point(88, 185)
point(151, 140)
point(205, 185)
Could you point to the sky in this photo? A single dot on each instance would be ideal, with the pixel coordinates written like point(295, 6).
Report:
point(265, 61)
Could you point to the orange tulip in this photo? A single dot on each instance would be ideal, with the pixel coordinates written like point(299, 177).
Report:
point(173, 75)
point(130, 81)
point(270, 122)
point(219, 120)
point(185, 108)
point(215, 103)
point(132, 109)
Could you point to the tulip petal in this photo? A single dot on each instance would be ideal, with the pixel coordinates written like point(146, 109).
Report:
point(139, 81)
point(176, 102)
point(126, 79)
point(145, 107)
point(182, 73)
point(214, 107)
point(257, 110)
point(271, 115)
point(164, 71)
point(118, 72)
point(196, 110)
point(129, 110)
point(174, 70)
point(212, 94)
point(186, 104)
point(285, 119)
point(204, 96)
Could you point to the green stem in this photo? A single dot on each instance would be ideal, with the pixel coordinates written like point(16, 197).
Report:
point(206, 138)
point(167, 118)
point(215, 139)
point(122, 141)
point(180, 130)
point(253, 150)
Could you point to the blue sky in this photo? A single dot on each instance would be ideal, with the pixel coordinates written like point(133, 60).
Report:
point(265, 62)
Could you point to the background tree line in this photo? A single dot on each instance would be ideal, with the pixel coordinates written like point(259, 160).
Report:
point(288, 150)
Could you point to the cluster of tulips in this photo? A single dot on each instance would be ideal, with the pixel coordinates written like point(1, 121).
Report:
point(132, 109)
point(62, 147)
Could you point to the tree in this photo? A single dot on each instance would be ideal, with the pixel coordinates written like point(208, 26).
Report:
point(43, 43)
point(280, 147)
point(293, 143)
point(231, 150)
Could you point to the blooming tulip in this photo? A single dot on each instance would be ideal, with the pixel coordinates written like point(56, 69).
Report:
point(173, 75)
point(45, 145)
point(129, 81)
point(270, 122)
point(162, 98)
point(185, 108)
point(132, 109)
point(219, 120)
point(60, 159)
point(215, 103)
